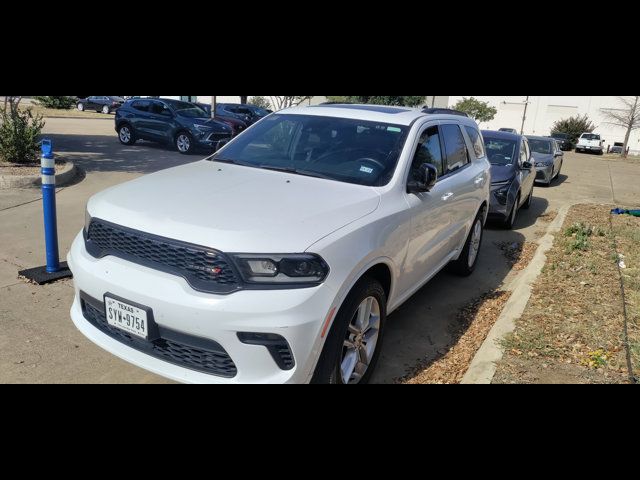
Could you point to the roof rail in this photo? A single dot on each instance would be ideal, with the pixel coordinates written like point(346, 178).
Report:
point(444, 111)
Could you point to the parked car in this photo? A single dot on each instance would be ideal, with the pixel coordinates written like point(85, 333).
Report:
point(278, 259)
point(182, 124)
point(512, 175)
point(509, 130)
point(252, 113)
point(618, 147)
point(100, 104)
point(548, 158)
point(565, 141)
point(234, 122)
point(590, 142)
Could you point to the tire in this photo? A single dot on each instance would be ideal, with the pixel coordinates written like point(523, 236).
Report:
point(513, 215)
point(106, 110)
point(184, 143)
point(126, 135)
point(527, 204)
point(81, 107)
point(339, 364)
point(468, 260)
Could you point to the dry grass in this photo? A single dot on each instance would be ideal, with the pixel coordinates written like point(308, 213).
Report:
point(27, 168)
point(518, 254)
point(573, 324)
point(475, 320)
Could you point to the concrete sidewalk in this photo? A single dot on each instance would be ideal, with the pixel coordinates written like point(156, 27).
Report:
point(39, 344)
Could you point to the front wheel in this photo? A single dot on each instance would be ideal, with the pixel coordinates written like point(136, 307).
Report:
point(81, 107)
point(353, 346)
point(184, 143)
point(468, 260)
point(126, 135)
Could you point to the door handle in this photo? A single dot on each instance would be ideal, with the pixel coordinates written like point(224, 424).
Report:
point(447, 196)
point(479, 180)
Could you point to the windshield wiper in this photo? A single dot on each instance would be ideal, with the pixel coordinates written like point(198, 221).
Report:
point(296, 171)
point(233, 162)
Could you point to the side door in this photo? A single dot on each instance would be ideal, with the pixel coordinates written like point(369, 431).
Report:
point(558, 157)
point(140, 119)
point(461, 174)
point(91, 103)
point(161, 121)
point(430, 220)
point(528, 175)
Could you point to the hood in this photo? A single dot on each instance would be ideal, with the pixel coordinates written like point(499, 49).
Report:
point(502, 173)
point(235, 209)
point(543, 157)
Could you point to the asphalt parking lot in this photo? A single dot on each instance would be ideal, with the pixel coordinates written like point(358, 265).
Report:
point(39, 343)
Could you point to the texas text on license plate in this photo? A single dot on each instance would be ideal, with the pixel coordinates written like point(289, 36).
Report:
point(126, 317)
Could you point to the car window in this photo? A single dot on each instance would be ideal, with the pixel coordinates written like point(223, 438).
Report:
point(591, 136)
point(455, 148)
point(346, 150)
point(429, 151)
point(476, 140)
point(160, 108)
point(141, 105)
point(544, 147)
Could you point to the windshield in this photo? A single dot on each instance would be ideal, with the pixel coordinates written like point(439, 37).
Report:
point(561, 136)
point(590, 136)
point(351, 151)
point(540, 146)
point(500, 151)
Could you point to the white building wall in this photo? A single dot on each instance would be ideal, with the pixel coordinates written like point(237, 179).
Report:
point(544, 111)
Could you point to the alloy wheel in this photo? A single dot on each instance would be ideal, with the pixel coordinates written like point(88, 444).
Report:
point(360, 343)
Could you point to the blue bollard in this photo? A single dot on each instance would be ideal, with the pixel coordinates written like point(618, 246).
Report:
point(49, 204)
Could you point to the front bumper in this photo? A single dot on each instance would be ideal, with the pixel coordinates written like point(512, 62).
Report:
point(209, 140)
point(544, 174)
point(295, 315)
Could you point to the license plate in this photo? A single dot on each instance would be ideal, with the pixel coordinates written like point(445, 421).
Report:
point(126, 317)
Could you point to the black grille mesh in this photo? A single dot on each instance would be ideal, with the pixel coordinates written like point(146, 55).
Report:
point(205, 269)
point(215, 361)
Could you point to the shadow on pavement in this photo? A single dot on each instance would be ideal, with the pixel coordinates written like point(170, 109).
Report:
point(99, 153)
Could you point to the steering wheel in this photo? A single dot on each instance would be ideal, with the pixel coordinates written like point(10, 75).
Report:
point(372, 160)
point(365, 152)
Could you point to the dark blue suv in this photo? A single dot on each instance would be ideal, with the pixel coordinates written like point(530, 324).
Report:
point(184, 125)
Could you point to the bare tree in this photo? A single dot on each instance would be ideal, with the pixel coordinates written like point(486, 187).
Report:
point(11, 102)
point(626, 117)
point(280, 103)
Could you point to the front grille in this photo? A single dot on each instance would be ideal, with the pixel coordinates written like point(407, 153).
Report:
point(216, 137)
point(205, 269)
point(180, 349)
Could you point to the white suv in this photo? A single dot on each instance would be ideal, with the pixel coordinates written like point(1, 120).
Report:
point(278, 259)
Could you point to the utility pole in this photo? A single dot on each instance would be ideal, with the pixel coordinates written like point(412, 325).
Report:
point(524, 116)
point(214, 106)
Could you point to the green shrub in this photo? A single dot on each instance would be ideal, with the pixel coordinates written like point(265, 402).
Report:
point(62, 103)
point(19, 135)
point(574, 127)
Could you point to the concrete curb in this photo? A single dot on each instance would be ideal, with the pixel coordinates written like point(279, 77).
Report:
point(14, 181)
point(483, 366)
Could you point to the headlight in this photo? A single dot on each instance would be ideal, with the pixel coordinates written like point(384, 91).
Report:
point(301, 269)
point(202, 128)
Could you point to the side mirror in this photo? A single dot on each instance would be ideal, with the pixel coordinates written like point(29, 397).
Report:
point(424, 179)
point(527, 165)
